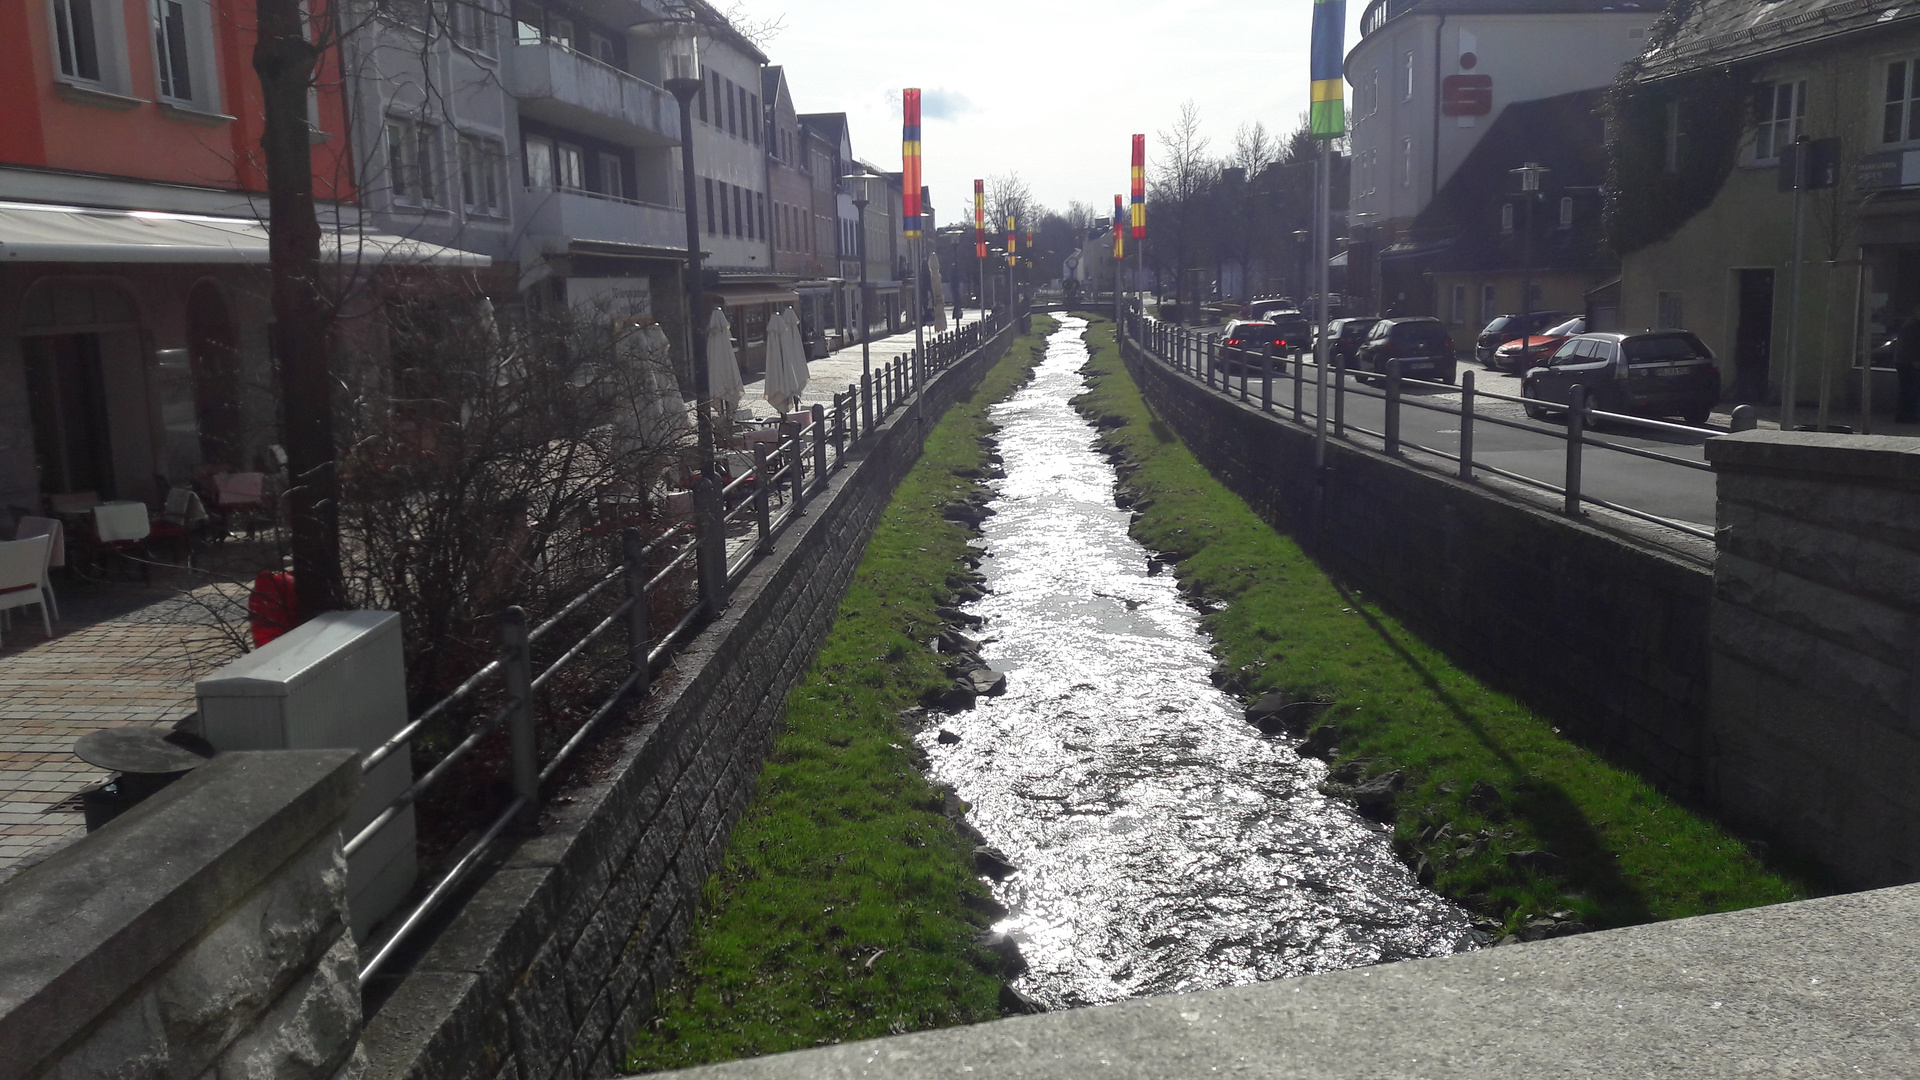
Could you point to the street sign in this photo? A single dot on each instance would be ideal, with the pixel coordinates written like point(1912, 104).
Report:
point(1822, 167)
point(1888, 169)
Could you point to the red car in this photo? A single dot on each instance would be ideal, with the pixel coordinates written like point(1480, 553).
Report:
point(1516, 356)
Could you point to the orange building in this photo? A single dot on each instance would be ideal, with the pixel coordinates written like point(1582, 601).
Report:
point(133, 285)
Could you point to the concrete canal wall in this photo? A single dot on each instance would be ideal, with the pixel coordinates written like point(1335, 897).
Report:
point(552, 964)
point(1606, 634)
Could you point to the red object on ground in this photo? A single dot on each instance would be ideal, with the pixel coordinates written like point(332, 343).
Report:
point(271, 606)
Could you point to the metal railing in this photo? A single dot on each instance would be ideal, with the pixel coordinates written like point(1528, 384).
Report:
point(1202, 358)
point(790, 474)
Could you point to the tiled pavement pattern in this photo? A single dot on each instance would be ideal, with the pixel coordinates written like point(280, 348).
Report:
point(121, 655)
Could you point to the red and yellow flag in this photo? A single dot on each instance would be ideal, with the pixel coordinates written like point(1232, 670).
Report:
point(910, 161)
point(1119, 229)
point(1013, 240)
point(979, 219)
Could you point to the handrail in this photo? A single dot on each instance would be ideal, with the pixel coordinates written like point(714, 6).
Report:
point(1198, 358)
point(904, 378)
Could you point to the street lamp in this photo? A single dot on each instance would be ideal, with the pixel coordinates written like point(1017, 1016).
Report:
point(860, 200)
point(684, 80)
point(1529, 175)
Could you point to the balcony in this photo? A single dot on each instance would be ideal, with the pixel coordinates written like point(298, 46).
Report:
point(570, 215)
point(559, 86)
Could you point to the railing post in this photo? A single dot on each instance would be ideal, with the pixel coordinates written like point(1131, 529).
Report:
point(797, 468)
point(840, 427)
point(1466, 425)
point(633, 555)
point(866, 406)
point(711, 534)
point(1266, 378)
point(1744, 418)
point(1393, 407)
point(1244, 373)
point(516, 662)
point(1296, 365)
point(1206, 352)
point(760, 496)
point(1576, 434)
point(1340, 397)
point(819, 446)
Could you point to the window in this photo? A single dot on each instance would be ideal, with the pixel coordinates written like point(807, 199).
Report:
point(539, 163)
point(411, 173)
point(480, 168)
point(173, 59)
point(1780, 110)
point(560, 31)
point(405, 12)
point(726, 221)
point(1673, 137)
point(569, 167)
point(708, 183)
point(600, 47)
point(525, 30)
point(79, 46)
point(1900, 118)
point(712, 90)
point(1489, 303)
point(1669, 313)
point(1406, 83)
point(1406, 162)
point(1566, 211)
point(613, 179)
point(474, 27)
point(739, 216)
point(753, 118)
point(733, 112)
point(1457, 312)
point(760, 212)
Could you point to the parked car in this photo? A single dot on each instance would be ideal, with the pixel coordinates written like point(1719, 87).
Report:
point(1249, 338)
point(1420, 344)
point(1652, 373)
point(1345, 336)
point(1507, 327)
point(1263, 307)
point(1516, 356)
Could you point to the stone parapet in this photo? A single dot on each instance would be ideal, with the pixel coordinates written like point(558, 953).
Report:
point(1816, 646)
point(203, 932)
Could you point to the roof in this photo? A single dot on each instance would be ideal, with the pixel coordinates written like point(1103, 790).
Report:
point(1563, 133)
point(36, 232)
point(1382, 12)
point(1721, 32)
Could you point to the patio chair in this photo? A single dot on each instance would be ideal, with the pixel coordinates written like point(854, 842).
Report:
point(122, 526)
point(180, 520)
point(23, 573)
point(240, 492)
point(56, 534)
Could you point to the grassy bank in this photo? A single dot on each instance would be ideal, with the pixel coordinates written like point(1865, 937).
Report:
point(1495, 808)
point(840, 911)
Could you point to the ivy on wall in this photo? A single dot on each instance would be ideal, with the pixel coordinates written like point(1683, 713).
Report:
point(1646, 201)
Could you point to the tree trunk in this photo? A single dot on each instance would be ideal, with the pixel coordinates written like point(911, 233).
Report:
point(284, 59)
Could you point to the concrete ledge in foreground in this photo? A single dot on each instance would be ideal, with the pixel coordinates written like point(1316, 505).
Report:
point(1822, 988)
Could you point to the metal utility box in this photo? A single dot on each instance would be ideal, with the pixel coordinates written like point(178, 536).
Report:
point(336, 682)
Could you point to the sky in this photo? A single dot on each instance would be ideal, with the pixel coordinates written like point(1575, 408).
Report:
point(1050, 89)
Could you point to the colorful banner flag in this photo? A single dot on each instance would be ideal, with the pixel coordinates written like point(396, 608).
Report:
point(1139, 188)
point(1119, 229)
point(1013, 241)
point(910, 161)
point(1325, 67)
point(979, 219)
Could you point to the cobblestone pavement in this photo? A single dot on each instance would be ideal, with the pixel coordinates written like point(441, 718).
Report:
point(121, 655)
point(832, 373)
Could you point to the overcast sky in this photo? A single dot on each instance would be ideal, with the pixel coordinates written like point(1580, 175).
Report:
point(1050, 89)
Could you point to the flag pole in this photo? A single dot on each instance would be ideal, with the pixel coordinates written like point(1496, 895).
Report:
point(1328, 120)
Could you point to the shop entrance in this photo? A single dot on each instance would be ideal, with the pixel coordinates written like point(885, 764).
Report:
point(66, 390)
point(1753, 336)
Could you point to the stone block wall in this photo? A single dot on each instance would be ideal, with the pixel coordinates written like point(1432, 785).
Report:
point(1604, 634)
point(1816, 646)
point(203, 933)
point(552, 964)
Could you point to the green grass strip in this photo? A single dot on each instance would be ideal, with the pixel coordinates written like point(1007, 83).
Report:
point(838, 913)
point(1626, 853)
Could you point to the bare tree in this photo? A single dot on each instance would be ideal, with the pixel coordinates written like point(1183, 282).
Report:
point(1008, 196)
point(1179, 177)
point(760, 31)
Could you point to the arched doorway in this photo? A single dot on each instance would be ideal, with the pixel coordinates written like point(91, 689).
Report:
point(214, 357)
point(86, 388)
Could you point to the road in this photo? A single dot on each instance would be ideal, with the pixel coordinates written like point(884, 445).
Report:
point(1655, 487)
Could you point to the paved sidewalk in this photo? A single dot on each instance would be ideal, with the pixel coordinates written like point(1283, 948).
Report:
point(121, 655)
point(830, 374)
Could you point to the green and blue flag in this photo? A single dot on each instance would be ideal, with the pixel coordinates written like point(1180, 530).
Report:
point(1329, 105)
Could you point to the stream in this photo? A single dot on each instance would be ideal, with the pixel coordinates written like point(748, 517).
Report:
point(1163, 843)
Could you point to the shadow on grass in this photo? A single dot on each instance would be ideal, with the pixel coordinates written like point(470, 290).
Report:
point(1554, 817)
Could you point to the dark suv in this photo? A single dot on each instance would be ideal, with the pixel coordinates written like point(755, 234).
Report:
point(1507, 327)
point(1420, 344)
point(1653, 373)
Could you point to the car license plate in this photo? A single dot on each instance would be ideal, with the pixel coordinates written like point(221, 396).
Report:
point(1416, 361)
point(1673, 372)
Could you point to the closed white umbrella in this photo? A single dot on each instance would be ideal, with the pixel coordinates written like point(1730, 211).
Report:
point(724, 384)
point(781, 391)
point(939, 294)
point(664, 410)
point(796, 354)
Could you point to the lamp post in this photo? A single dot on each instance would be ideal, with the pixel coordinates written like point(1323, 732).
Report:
point(684, 80)
point(1529, 175)
point(860, 200)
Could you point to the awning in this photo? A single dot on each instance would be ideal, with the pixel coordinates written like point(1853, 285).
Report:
point(1338, 260)
point(738, 295)
point(36, 232)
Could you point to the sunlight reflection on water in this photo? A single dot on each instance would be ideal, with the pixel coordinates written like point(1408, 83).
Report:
point(1163, 843)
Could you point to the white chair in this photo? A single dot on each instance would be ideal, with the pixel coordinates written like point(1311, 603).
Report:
point(23, 571)
point(121, 523)
point(56, 535)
